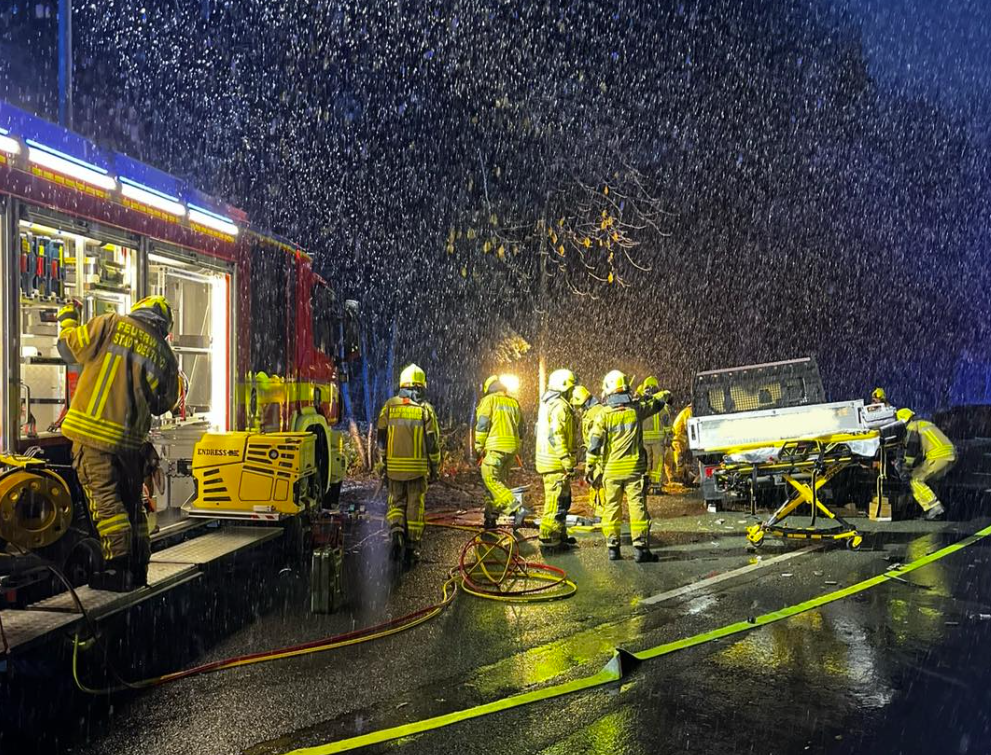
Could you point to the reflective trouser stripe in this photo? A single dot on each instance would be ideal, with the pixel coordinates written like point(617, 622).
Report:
point(557, 502)
point(495, 475)
point(112, 486)
point(612, 512)
point(406, 507)
point(655, 461)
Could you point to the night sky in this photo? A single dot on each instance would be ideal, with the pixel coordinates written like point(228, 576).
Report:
point(779, 179)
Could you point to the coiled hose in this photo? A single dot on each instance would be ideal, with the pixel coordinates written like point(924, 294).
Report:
point(489, 566)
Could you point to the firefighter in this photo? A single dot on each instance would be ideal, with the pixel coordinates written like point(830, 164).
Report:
point(656, 437)
point(879, 396)
point(929, 455)
point(497, 441)
point(617, 460)
point(129, 374)
point(679, 445)
point(589, 408)
point(556, 456)
point(409, 448)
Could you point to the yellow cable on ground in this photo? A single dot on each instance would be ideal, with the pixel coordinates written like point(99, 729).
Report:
point(613, 671)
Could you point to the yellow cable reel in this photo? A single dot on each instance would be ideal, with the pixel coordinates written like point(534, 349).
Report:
point(35, 507)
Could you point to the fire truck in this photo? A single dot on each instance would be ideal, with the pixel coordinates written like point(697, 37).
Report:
point(261, 338)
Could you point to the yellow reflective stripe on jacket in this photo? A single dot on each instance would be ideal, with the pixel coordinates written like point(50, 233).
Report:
point(935, 444)
point(652, 429)
point(105, 431)
point(618, 441)
point(497, 424)
point(101, 382)
point(114, 369)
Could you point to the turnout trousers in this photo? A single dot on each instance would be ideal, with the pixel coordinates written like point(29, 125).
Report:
point(557, 503)
point(655, 462)
point(929, 470)
point(495, 476)
point(112, 484)
point(612, 513)
point(406, 507)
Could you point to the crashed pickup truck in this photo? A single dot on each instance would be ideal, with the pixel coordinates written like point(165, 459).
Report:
point(753, 409)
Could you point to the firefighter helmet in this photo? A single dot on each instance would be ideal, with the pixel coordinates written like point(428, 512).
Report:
point(412, 377)
point(561, 381)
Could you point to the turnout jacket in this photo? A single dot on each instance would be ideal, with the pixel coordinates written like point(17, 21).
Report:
point(615, 447)
point(924, 442)
point(497, 423)
point(129, 374)
point(556, 446)
point(409, 437)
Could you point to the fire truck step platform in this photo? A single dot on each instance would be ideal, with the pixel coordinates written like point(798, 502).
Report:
point(169, 568)
point(24, 628)
point(100, 603)
point(202, 550)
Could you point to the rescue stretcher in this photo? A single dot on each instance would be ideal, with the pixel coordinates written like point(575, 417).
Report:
point(807, 465)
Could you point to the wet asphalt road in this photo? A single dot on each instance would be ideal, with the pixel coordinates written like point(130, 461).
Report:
point(899, 669)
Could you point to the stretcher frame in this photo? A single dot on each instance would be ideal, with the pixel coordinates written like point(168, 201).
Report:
point(822, 459)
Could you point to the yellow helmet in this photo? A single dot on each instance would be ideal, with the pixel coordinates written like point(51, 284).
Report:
point(580, 395)
point(904, 415)
point(878, 394)
point(615, 382)
point(649, 382)
point(412, 377)
point(488, 383)
point(155, 309)
point(561, 381)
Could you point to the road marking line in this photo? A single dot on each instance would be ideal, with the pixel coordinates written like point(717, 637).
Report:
point(715, 580)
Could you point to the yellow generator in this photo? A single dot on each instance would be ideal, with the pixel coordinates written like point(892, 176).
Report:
point(254, 476)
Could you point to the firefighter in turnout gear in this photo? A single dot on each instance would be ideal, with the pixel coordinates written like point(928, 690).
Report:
point(617, 460)
point(497, 441)
point(129, 374)
point(589, 408)
point(409, 445)
point(656, 438)
point(679, 446)
point(929, 455)
point(556, 456)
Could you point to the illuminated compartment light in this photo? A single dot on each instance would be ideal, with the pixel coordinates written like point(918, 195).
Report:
point(219, 331)
point(149, 196)
point(69, 166)
point(8, 145)
point(212, 220)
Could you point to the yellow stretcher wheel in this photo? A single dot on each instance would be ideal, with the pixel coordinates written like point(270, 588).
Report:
point(854, 543)
point(35, 507)
point(755, 534)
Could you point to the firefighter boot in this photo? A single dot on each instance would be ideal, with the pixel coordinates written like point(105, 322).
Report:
point(643, 555)
point(614, 553)
point(398, 546)
point(117, 576)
